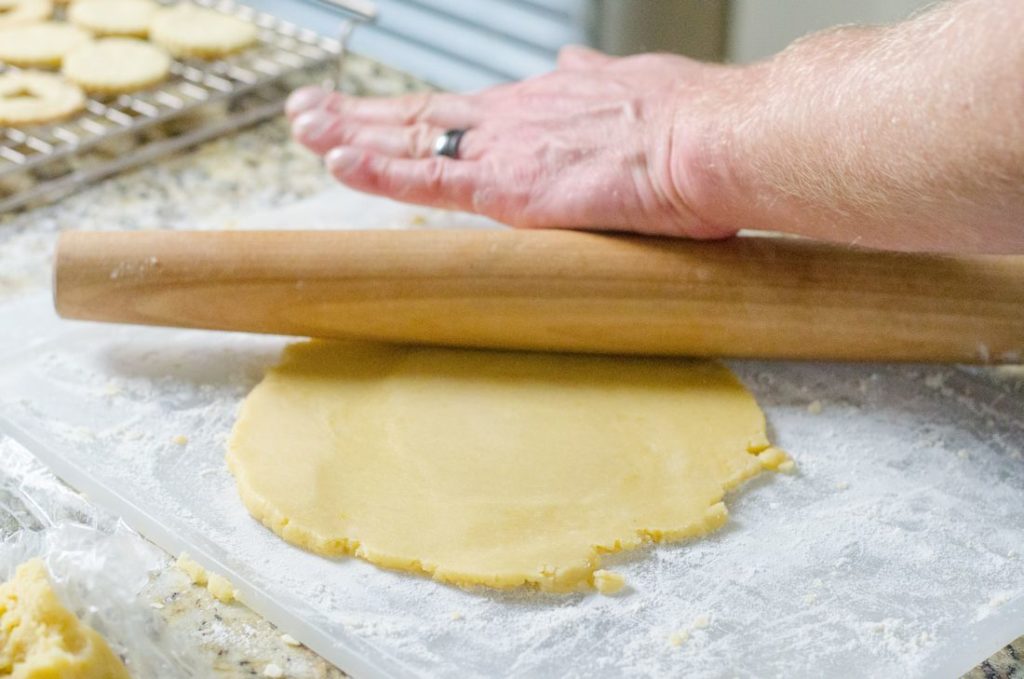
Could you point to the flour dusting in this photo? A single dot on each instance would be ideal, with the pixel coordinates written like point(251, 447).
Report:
point(881, 548)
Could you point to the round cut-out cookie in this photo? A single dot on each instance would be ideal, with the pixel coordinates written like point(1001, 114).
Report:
point(17, 12)
point(116, 65)
point(125, 18)
point(41, 45)
point(30, 97)
point(190, 31)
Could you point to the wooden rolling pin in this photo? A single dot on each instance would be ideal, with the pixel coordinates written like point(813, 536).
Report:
point(555, 290)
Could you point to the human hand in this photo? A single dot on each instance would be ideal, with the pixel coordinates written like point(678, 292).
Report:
point(601, 142)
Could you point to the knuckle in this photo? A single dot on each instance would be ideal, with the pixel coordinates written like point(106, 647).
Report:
point(347, 134)
point(337, 102)
point(418, 106)
point(420, 139)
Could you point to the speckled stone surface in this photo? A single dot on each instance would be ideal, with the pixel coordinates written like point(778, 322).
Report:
point(1005, 663)
point(258, 168)
point(237, 642)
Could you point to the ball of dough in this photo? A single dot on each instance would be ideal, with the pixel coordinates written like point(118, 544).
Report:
point(126, 18)
point(190, 31)
point(116, 65)
point(39, 637)
point(41, 45)
point(30, 97)
point(17, 12)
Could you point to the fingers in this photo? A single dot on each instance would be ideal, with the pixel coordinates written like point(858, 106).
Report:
point(580, 58)
point(443, 110)
point(435, 181)
point(302, 100)
point(322, 131)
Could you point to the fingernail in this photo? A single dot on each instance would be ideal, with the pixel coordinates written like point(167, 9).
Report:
point(342, 158)
point(311, 125)
point(304, 99)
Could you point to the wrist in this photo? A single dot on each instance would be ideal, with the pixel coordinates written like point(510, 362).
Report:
point(715, 132)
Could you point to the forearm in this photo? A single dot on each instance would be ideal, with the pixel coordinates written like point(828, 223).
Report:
point(905, 137)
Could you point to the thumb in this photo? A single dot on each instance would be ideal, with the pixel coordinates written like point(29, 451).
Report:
point(580, 58)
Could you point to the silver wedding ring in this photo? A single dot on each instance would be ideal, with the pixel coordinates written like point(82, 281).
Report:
point(447, 144)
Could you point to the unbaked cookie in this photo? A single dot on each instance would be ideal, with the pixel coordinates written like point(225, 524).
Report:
point(190, 31)
point(29, 97)
point(15, 12)
point(116, 65)
point(40, 45)
point(127, 18)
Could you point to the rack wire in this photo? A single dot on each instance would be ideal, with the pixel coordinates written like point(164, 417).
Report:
point(199, 100)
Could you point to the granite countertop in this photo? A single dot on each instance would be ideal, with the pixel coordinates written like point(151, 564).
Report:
point(258, 168)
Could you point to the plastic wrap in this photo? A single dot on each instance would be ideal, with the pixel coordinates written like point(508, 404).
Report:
point(98, 565)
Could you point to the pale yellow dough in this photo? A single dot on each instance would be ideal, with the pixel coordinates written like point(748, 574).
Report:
point(216, 584)
point(40, 639)
point(492, 468)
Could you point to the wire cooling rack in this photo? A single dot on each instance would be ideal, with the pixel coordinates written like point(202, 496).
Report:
point(199, 100)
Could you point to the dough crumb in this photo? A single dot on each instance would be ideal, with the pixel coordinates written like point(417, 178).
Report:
point(842, 485)
point(217, 585)
point(289, 640)
point(456, 616)
point(608, 582)
point(180, 440)
point(157, 605)
point(417, 220)
point(772, 458)
point(814, 407)
point(193, 570)
point(221, 588)
point(679, 638)
point(810, 599)
point(273, 671)
point(701, 621)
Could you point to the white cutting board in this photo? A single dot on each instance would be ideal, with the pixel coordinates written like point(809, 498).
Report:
point(897, 548)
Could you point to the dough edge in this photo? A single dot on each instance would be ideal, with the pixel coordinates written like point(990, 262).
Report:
point(563, 580)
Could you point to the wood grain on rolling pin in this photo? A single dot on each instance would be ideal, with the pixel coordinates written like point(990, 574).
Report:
point(555, 290)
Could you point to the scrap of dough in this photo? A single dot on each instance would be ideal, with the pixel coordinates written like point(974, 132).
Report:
point(217, 585)
point(195, 572)
point(608, 582)
point(40, 639)
point(221, 588)
point(492, 468)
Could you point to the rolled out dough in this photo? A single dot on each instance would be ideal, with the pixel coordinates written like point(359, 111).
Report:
point(492, 468)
